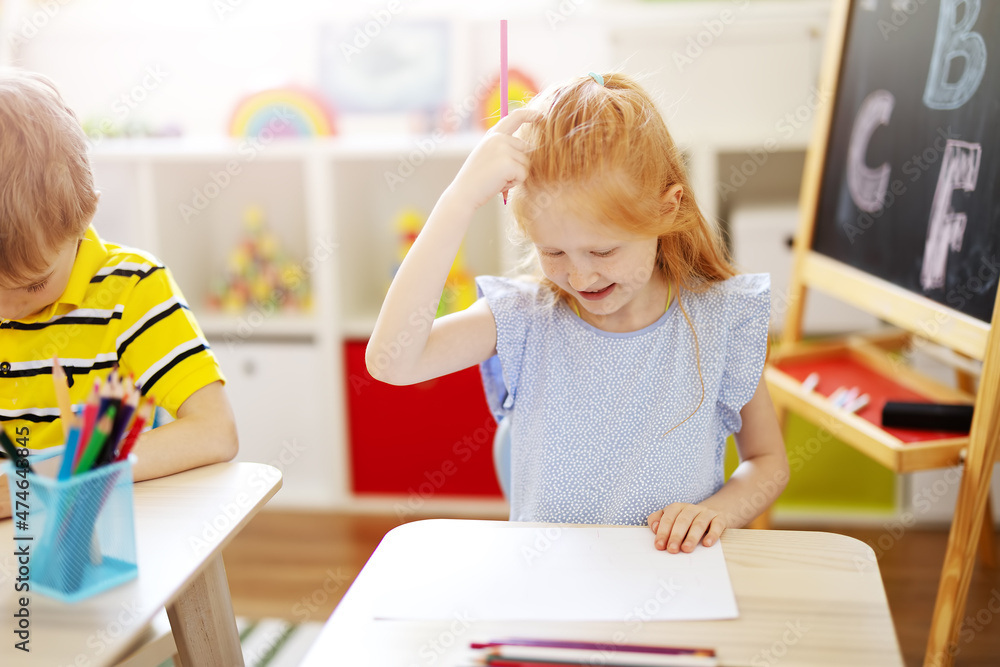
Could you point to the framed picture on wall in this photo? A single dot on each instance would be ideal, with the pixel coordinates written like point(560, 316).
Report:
point(398, 67)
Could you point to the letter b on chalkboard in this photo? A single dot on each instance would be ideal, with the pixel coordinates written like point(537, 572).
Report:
point(955, 40)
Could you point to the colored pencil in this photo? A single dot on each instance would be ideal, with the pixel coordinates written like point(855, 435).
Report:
point(11, 449)
point(89, 418)
point(142, 418)
point(503, 78)
point(595, 646)
point(122, 421)
point(110, 393)
point(69, 454)
point(503, 68)
point(585, 656)
point(100, 434)
point(62, 396)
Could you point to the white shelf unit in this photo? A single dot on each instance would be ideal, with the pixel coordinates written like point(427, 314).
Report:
point(328, 199)
point(367, 206)
point(330, 207)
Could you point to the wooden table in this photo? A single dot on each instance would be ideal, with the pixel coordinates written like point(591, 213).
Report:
point(805, 599)
point(182, 524)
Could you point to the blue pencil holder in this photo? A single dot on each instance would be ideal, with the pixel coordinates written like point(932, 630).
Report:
point(81, 531)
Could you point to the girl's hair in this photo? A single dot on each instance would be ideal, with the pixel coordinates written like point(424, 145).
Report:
point(604, 152)
point(47, 192)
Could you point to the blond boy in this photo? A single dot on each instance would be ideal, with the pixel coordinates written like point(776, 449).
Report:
point(66, 293)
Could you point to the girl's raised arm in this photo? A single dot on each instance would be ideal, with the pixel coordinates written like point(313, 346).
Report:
point(408, 345)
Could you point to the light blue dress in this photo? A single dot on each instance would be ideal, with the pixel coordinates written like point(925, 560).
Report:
point(592, 409)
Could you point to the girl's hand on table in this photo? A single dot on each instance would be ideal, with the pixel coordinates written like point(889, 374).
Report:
point(680, 526)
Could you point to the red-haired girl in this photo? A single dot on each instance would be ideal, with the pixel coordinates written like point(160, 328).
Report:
point(634, 351)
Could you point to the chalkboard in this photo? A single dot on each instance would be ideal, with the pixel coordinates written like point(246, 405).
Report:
point(915, 147)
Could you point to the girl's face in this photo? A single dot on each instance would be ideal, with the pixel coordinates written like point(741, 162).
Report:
point(611, 276)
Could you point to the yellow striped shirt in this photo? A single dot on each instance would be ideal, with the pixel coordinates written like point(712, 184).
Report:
point(121, 306)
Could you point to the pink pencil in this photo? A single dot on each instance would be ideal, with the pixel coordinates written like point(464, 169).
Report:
point(503, 68)
point(503, 77)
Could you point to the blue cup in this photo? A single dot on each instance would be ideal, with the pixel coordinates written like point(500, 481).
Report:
point(80, 531)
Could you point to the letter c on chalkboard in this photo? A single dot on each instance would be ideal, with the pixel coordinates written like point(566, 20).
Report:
point(867, 185)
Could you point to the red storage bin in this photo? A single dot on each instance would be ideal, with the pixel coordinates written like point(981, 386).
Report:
point(433, 439)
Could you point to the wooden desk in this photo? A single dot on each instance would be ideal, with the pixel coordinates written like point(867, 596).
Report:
point(182, 524)
point(805, 599)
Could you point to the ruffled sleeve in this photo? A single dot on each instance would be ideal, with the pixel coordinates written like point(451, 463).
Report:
point(749, 298)
point(512, 303)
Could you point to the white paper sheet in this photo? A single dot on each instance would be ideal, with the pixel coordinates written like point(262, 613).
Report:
point(480, 570)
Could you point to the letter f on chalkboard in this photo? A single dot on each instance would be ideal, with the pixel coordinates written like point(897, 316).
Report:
point(959, 170)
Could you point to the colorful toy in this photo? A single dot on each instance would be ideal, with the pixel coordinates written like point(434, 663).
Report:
point(520, 89)
point(285, 112)
point(459, 289)
point(259, 274)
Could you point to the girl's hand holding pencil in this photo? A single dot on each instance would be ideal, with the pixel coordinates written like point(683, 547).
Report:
point(498, 163)
point(466, 338)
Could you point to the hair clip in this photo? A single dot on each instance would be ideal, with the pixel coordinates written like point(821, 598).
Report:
point(596, 77)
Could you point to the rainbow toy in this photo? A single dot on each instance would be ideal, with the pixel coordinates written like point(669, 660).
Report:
point(521, 88)
point(286, 112)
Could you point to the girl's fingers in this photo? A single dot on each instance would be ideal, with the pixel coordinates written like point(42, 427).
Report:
point(653, 520)
point(667, 520)
point(682, 524)
point(515, 119)
point(519, 174)
point(519, 145)
point(714, 532)
point(699, 527)
point(521, 158)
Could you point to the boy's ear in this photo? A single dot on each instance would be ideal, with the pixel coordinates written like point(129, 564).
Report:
point(672, 198)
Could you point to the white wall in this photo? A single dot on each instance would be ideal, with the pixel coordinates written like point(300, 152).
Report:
point(209, 53)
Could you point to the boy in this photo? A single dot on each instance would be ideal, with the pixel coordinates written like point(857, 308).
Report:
point(65, 293)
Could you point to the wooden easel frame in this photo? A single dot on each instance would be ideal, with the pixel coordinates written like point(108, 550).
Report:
point(911, 312)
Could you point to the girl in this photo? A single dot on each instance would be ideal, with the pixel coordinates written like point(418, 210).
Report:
point(633, 356)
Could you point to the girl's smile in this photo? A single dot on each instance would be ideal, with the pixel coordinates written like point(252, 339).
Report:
point(598, 294)
point(611, 276)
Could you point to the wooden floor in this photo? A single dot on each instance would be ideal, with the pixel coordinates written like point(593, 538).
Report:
point(298, 565)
